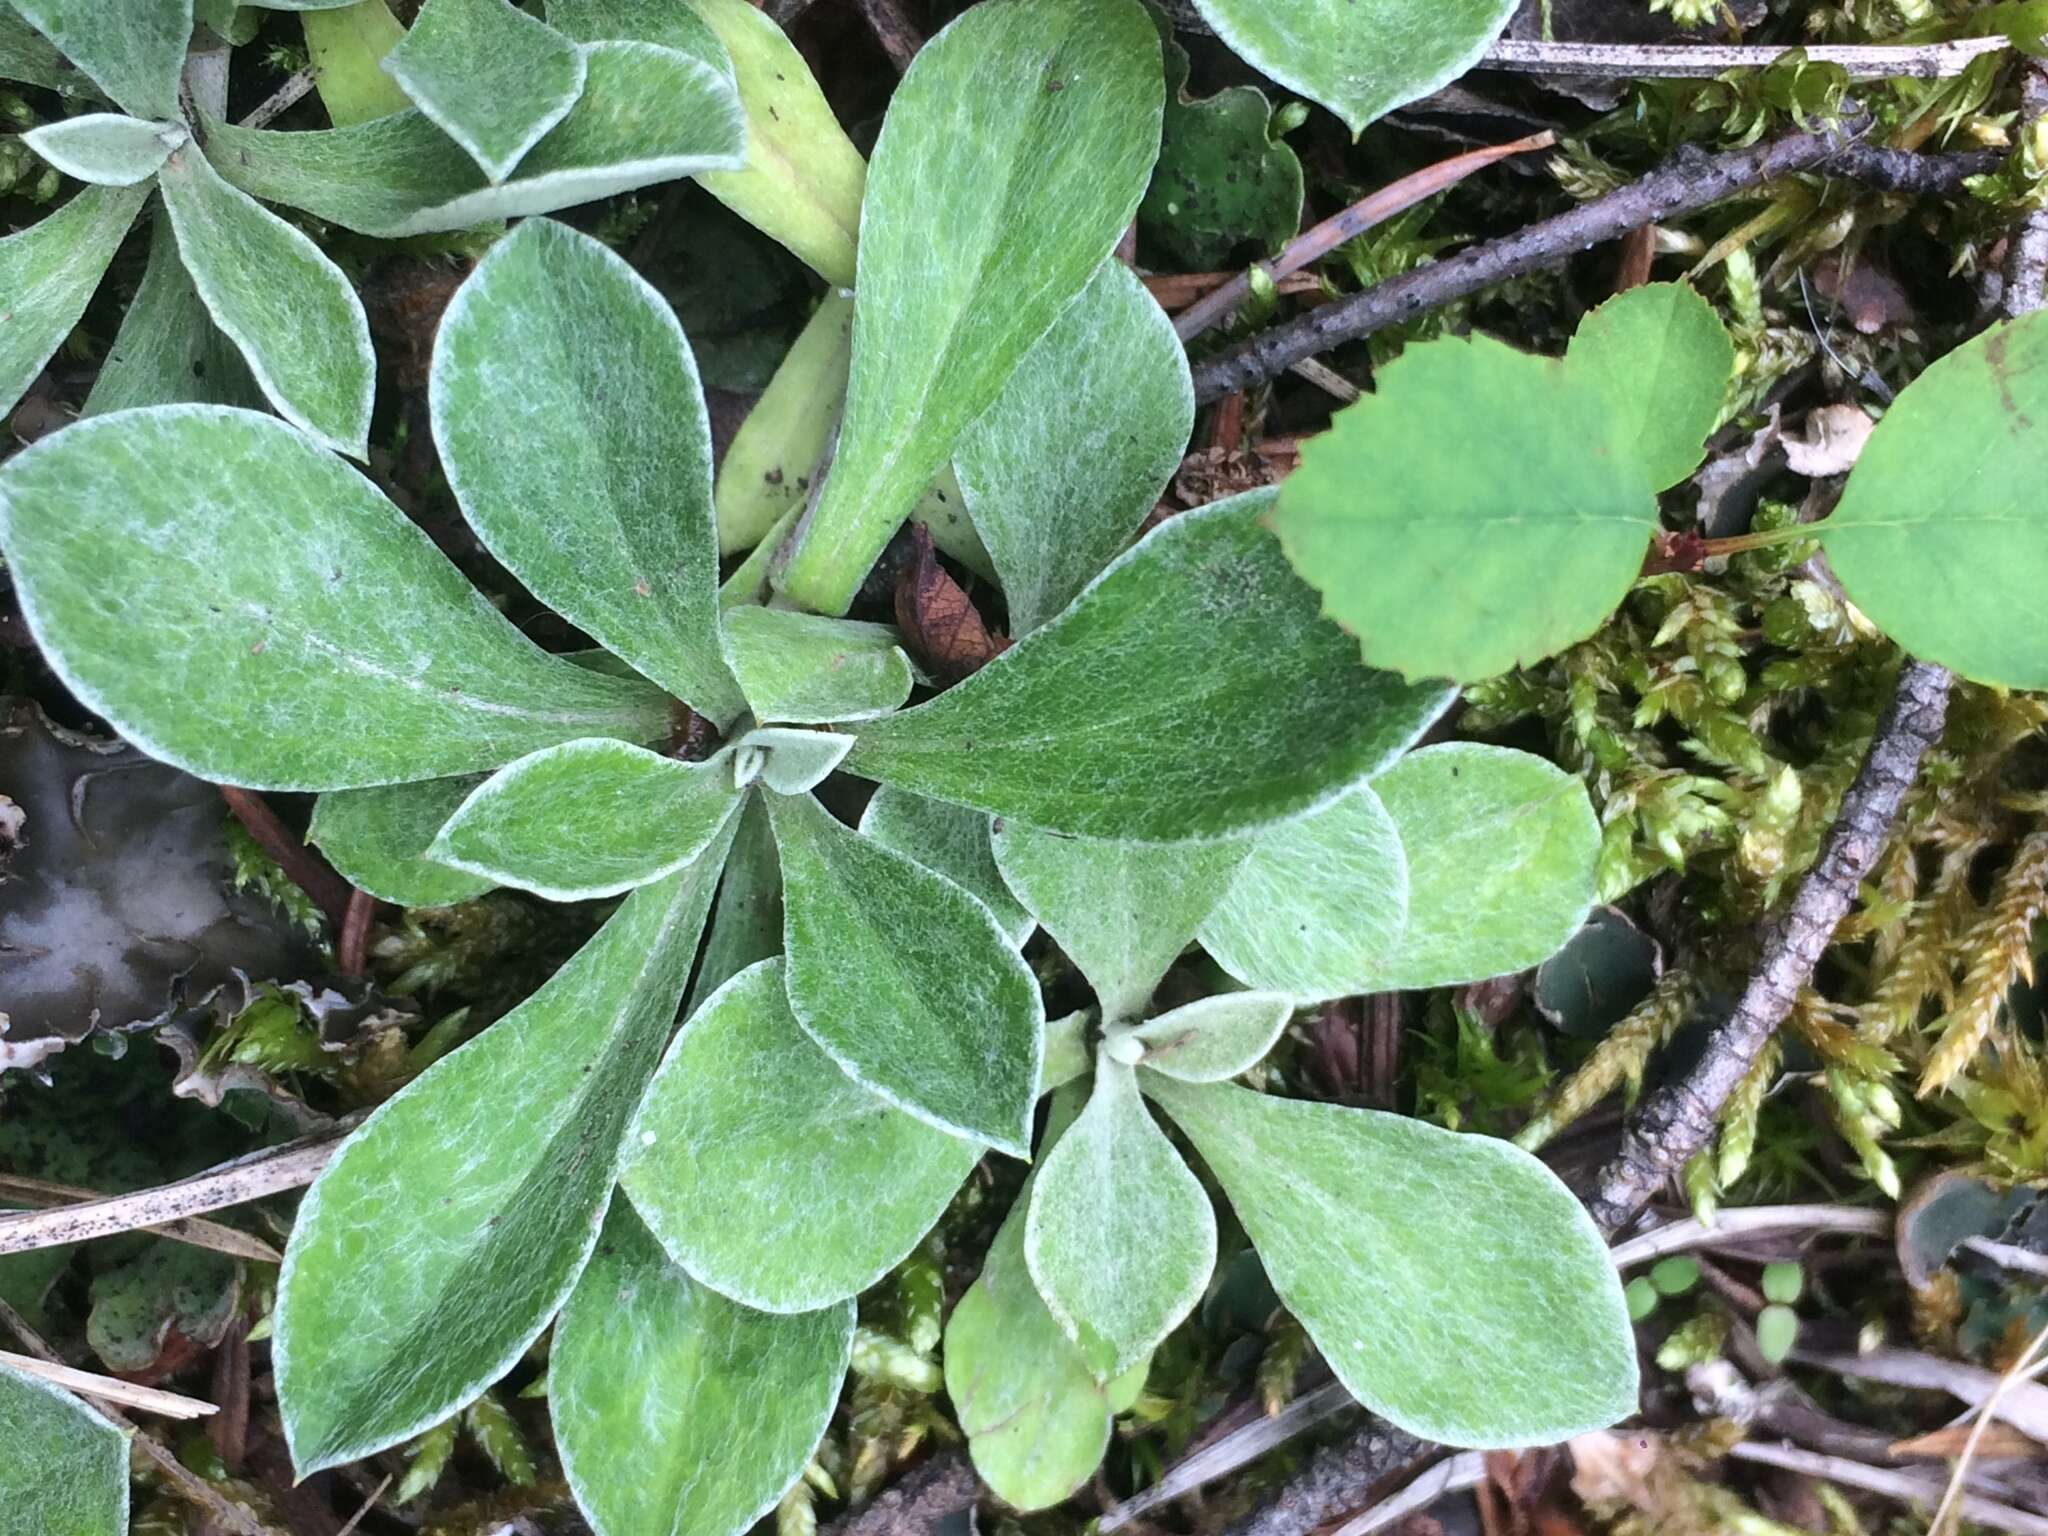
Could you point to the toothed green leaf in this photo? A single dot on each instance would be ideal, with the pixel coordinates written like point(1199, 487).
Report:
point(1662, 357)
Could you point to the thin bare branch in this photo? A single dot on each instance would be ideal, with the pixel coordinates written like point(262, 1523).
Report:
point(1703, 61)
point(193, 1231)
point(109, 1389)
point(1680, 1236)
point(1914, 1488)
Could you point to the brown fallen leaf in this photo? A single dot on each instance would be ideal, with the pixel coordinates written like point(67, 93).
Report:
point(941, 626)
point(1997, 1440)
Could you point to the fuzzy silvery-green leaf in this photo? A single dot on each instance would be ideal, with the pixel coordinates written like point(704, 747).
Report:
point(907, 981)
point(1454, 1285)
point(1359, 61)
point(765, 476)
point(105, 148)
point(789, 762)
point(1078, 446)
point(49, 271)
point(1014, 153)
point(1120, 1238)
point(1192, 692)
point(568, 412)
point(1123, 912)
point(450, 1227)
point(1036, 1419)
point(768, 1173)
point(27, 56)
point(1213, 1038)
point(1067, 1055)
point(491, 77)
point(646, 115)
point(677, 1412)
point(746, 922)
point(1662, 357)
point(805, 669)
point(274, 293)
point(1318, 908)
point(1501, 849)
point(246, 607)
point(1421, 514)
point(65, 1472)
point(378, 839)
point(588, 819)
point(951, 840)
point(134, 50)
point(168, 350)
point(1939, 537)
point(662, 22)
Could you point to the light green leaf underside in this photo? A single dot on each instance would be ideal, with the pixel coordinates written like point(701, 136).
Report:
point(587, 470)
point(378, 839)
point(1123, 912)
point(272, 291)
point(1359, 61)
point(788, 761)
point(440, 1241)
point(1940, 536)
point(676, 1412)
point(1120, 1239)
point(65, 1471)
point(1036, 1419)
point(1192, 692)
point(105, 148)
point(1014, 154)
point(1078, 446)
point(347, 47)
point(588, 819)
point(746, 924)
point(134, 50)
point(907, 981)
point(1501, 849)
point(26, 55)
point(1216, 1037)
point(646, 115)
point(1454, 1285)
point(491, 77)
point(804, 669)
point(769, 1174)
point(272, 620)
point(950, 840)
point(1423, 510)
point(766, 473)
point(49, 271)
point(168, 350)
point(1662, 358)
point(1318, 908)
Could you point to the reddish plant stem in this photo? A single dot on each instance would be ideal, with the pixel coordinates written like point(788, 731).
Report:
point(301, 865)
point(352, 951)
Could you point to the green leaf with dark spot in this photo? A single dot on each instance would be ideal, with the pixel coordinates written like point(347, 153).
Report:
point(378, 839)
point(769, 1174)
point(804, 669)
point(66, 1468)
point(441, 1240)
point(1662, 358)
point(49, 271)
point(134, 50)
point(950, 840)
point(273, 620)
point(1073, 729)
point(677, 1412)
point(491, 77)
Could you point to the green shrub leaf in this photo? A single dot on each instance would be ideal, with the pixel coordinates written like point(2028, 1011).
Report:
point(789, 762)
point(661, 22)
point(1359, 61)
point(1501, 849)
point(1495, 1319)
point(568, 412)
point(949, 840)
point(588, 819)
point(769, 1174)
point(1938, 537)
point(1225, 179)
point(1268, 714)
point(1079, 445)
point(378, 839)
point(1318, 908)
point(274, 621)
point(1123, 912)
point(1045, 117)
point(1120, 1238)
point(49, 271)
point(676, 1412)
point(804, 669)
point(66, 1468)
point(168, 350)
point(1662, 358)
point(1214, 1038)
point(907, 981)
point(646, 115)
point(1426, 556)
point(274, 293)
point(135, 52)
point(440, 1241)
point(491, 77)
point(105, 148)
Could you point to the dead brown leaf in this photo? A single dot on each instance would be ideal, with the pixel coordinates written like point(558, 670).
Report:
point(940, 623)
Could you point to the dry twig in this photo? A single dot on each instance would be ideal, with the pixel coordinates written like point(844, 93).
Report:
point(1703, 61)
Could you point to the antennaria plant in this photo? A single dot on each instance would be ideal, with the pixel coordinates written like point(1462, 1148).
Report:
point(1179, 749)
